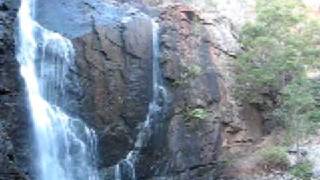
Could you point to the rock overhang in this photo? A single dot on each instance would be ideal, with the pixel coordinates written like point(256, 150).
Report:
point(75, 18)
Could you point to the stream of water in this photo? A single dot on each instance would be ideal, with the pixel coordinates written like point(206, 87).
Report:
point(126, 169)
point(66, 147)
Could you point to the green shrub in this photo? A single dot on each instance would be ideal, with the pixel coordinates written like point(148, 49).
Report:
point(280, 47)
point(275, 157)
point(298, 109)
point(275, 53)
point(302, 170)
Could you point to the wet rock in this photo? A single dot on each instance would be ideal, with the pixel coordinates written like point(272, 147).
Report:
point(109, 83)
point(73, 18)
point(187, 147)
point(109, 87)
point(112, 73)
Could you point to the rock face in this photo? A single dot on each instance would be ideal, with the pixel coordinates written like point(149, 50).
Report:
point(74, 18)
point(15, 127)
point(113, 68)
point(193, 132)
point(109, 83)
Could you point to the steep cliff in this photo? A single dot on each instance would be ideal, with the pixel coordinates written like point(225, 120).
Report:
point(193, 138)
point(109, 85)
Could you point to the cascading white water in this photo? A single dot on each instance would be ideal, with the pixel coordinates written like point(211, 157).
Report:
point(125, 170)
point(66, 147)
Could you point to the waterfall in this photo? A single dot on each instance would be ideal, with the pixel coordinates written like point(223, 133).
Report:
point(66, 147)
point(125, 169)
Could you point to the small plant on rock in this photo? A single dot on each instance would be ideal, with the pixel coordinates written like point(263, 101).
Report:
point(189, 72)
point(275, 158)
point(198, 114)
point(302, 170)
point(194, 71)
